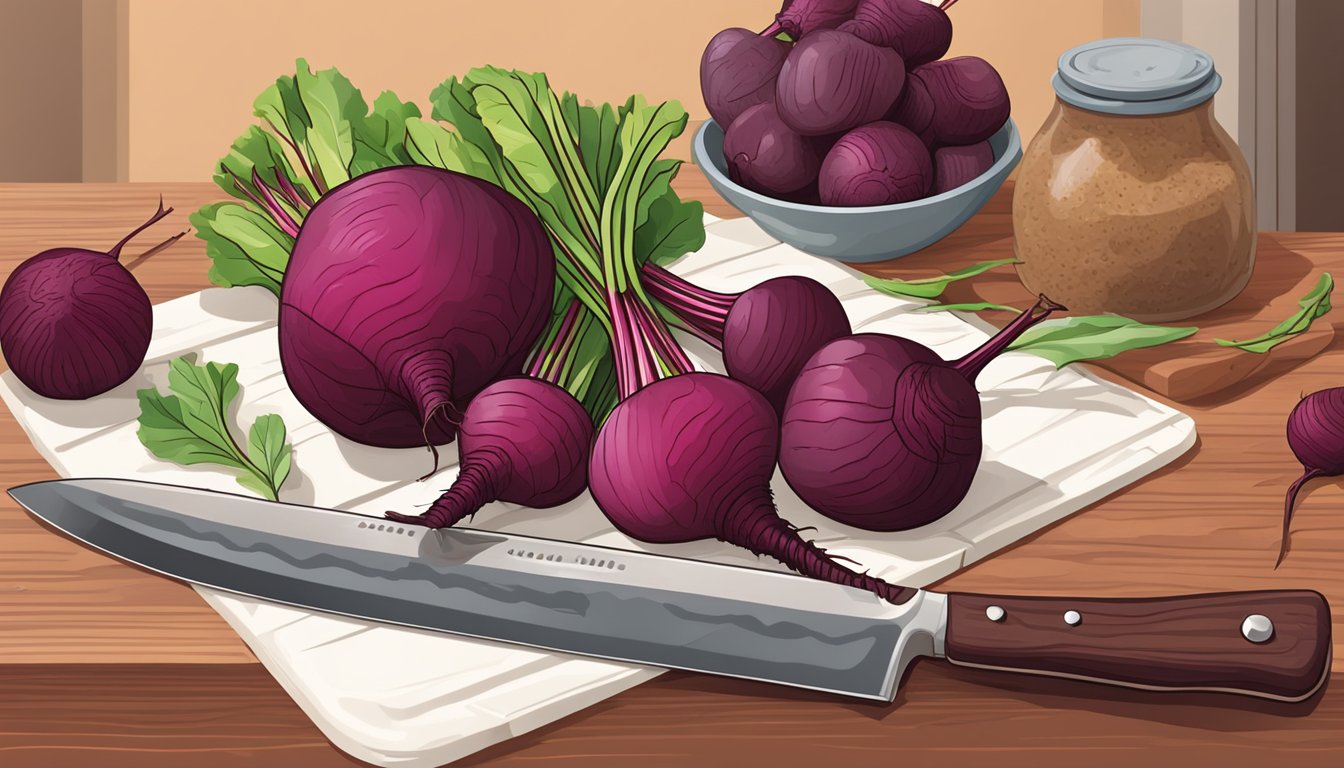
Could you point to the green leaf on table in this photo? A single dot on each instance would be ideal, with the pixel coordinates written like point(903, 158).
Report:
point(245, 247)
point(975, 306)
point(932, 287)
point(189, 426)
point(1093, 337)
point(1312, 306)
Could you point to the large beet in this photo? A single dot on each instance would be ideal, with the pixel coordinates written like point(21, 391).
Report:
point(877, 164)
point(833, 81)
point(766, 155)
point(408, 290)
point(918, 31)
point(738, 71)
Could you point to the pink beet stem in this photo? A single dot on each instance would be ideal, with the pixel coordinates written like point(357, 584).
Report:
point(278, 212)
point(972, 364)
point(473, 489)
point(947, 4)
point(772, 30)
point(688, 308)
point(115, 253)
point(1290, 501)
point(547, 361)
point(684, 287)
point(760, 529)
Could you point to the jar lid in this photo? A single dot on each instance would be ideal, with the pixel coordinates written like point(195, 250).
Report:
point(1135, 76)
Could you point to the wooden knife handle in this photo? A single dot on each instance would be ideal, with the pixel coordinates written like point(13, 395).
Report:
point(1272, 644)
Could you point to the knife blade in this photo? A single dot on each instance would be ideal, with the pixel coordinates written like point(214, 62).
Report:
point(680, 613)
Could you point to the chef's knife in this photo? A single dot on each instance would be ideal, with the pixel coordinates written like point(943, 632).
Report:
point(679, 613)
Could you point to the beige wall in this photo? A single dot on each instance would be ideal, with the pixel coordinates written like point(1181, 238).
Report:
point(194, 66)
point(40, 76)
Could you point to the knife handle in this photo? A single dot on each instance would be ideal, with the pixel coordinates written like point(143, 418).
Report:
point(1272, 644)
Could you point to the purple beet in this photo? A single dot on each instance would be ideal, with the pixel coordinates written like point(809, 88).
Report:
point(914, 109)
point(833, 81)
point(766, 155)
point(801, 17)
point(738, 71)
point(954, 166)
point(878, 164)
point(523, 441)
point(918, 31)
point(970, 101)
point(883, 434)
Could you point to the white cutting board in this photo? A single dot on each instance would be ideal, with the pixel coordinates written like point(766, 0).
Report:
point(1055, 441)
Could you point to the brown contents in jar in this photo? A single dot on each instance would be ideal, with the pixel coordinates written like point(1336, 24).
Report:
point(1148, 217)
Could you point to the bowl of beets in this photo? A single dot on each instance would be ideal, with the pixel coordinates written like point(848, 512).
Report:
point(842, 131)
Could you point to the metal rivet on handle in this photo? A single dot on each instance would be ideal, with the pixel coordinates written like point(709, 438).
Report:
point(1257, 628)
point(995, 613)
point(1072, 618)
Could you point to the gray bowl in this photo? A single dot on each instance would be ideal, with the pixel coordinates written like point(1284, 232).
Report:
point(862, 234)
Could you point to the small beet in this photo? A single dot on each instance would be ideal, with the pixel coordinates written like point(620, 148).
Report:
point(970, 101)
point(523, 441)
point(878, 164)
point(738, 71)
point(833, 81)
point(918, 31)
point(954, 166)
point(1316, 437)
point(766, 155)
point(798, 18)
point(914, 109)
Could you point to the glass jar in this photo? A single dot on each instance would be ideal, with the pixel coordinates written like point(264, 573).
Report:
point(1132, 199)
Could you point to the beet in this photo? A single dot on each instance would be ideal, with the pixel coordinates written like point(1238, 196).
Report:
point(522, 441)
point(738, 71)
point(75, 323)
point(970, 101)
point(408, 290)
point(690, 457)
point(954, 166)
point(918, 31)
point(799, 18)
point(833, 81)
point(878, 164)
point(881, 433)
point(767, 156)
point(914, 109)
point(1316, 437)
point(766, 333)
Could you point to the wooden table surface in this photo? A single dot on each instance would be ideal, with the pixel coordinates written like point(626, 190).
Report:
point(103, 664)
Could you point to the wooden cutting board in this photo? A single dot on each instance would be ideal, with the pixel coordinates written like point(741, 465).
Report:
point(1194, 370)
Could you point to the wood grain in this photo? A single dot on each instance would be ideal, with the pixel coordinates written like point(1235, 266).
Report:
point(103, 664)
point(1191, 642)
point(1194, 369)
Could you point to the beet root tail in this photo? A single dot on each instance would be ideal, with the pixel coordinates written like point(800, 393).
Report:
point(427, 378)
point(473, 489)
point(1290, 501)
point(761, 530)
point(115, 252)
